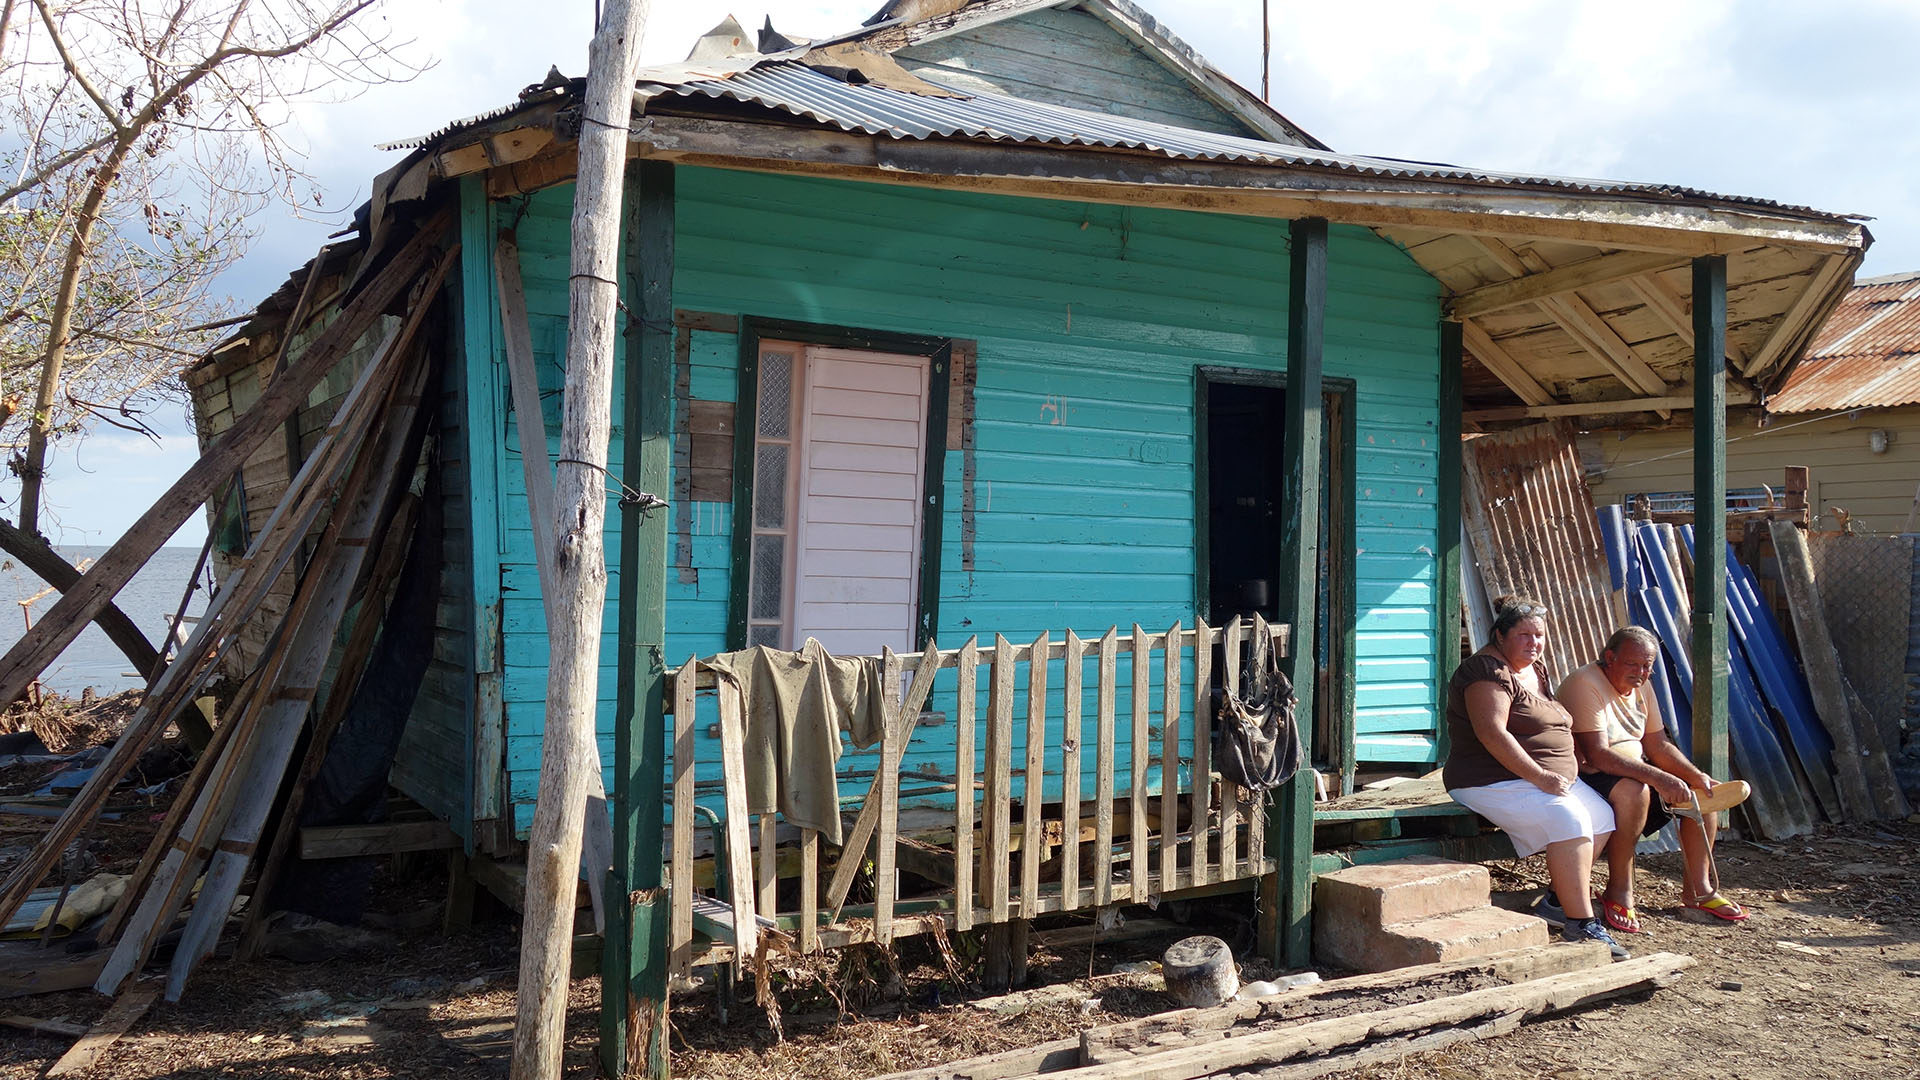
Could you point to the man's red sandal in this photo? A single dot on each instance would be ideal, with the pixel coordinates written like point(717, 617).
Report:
point(1718, 907)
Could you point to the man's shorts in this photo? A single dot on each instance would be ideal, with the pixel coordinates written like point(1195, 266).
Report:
point(1657, 816)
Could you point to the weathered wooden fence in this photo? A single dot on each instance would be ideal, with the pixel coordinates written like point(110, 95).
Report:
point(1121, 842)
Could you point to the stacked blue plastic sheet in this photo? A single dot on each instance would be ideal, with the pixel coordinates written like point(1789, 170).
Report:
point(1778, 745)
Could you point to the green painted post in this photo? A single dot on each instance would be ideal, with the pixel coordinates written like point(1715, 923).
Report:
point(1290, 809)
point(1446, 592)
point(1710, 747)
point(633, 994)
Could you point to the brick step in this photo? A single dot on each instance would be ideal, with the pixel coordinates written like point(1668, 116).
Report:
point(1456, 935)
point(1378, 894)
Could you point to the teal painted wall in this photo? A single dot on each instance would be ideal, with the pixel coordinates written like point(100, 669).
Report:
point(1090, 322)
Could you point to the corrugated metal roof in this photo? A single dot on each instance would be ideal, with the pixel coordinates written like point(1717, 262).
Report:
point(784, 84)
point(794, 88)
point(1867, 354)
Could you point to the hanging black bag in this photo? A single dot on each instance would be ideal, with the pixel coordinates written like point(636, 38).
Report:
point(1256, 743)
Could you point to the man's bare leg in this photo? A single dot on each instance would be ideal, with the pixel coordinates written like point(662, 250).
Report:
point(1694, 848)
point(1629, 799)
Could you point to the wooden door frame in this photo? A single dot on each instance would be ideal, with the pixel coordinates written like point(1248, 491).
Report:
point(1341, 506)
point(939, 353)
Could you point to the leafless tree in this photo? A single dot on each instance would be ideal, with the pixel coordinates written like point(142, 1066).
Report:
point(139, 139)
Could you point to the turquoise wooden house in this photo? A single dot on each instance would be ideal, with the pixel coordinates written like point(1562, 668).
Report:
point(1015, 319)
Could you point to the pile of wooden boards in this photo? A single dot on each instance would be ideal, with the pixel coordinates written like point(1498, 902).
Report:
point(1336, 1025)
point(341, 529)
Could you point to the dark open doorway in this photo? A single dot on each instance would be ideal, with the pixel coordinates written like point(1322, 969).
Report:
point(1240, 516)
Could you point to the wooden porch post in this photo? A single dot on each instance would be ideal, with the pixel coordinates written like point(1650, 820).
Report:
point(635, 956)
point(1286, 895)
point(1446, 587)
point(1710, 746)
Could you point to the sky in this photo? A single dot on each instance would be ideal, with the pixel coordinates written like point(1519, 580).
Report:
point(1802, 103)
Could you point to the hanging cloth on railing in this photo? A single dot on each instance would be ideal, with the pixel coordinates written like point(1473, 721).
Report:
point(798, 703)
point(1255, 741)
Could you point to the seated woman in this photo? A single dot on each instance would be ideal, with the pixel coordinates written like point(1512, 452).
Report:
point(1513, 763)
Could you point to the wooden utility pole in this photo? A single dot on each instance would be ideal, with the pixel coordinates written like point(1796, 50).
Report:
point(580, 570)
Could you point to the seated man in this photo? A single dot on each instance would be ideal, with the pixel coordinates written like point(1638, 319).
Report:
point(1624, 749)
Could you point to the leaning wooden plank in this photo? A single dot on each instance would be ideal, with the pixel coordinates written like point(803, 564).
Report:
point(183, 677)
point(1170, 763)
point(411, 836)
point(119, 1019)
point(893, 741)
point(999, 808)
point(1139, 750)
point(382, 475)
point(75, 609)
point(1822, 665)
point(1072, 713)
point(1512, 966)
point(50, 975)
point(1104, 721)
point(863, 825)
point(1047, 1057)
point(1212, 1054)
point(1033, 783)
point(680, 874)
point(1200, 800)
point(733, 768)
point(966, 702)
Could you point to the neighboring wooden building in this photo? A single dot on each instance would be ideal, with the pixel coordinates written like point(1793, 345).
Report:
point(917, 360)
point(1850, 412)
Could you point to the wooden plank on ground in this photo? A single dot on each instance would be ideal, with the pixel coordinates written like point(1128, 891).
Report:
point(1510, 967)
point(1104, 721)
point(59, 1029)
point(1033, 783)
point(1212, 1054)
point(965, 703)
point(119, 1019)
point(50, 974)
point(1006, 1065)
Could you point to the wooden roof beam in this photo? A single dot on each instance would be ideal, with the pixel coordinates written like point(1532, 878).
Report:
point(1542, 284)
point(1673, 309)
point(1820, 290)
point(1503, 365)
point(1582, 323)
point(1664, 405)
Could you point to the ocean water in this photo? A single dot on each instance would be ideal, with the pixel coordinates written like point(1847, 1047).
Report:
point(150, 599)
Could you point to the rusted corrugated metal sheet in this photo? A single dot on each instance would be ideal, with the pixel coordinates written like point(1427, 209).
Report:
point(1530, 516)
point(1867, 354)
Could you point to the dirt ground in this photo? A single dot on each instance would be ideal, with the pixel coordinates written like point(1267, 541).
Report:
point(1824, 981)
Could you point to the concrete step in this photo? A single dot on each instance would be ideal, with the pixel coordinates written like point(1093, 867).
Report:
point(1403, 890)
point(1456, 935)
